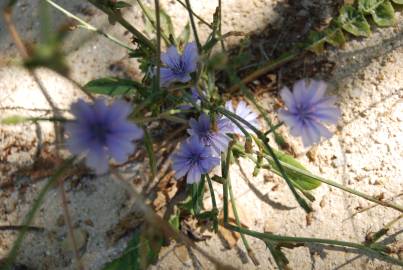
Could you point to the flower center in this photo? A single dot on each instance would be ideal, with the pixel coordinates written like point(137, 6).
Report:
point(303, 112)
point(178, 68)
point(195, 158)
point(99, 132)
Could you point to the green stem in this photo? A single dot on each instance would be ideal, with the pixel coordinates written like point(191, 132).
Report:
point(88, 26)
point(306, 240)
point(192, 22)
point(234, 209)
point(337, 185)
point(213, 202)
point(273, 128)
point(220, 25)
point(158, 54)
point(31, 214)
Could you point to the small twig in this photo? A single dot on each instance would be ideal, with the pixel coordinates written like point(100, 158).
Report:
point(374, 205)
point(270, 65)
point(21, 227)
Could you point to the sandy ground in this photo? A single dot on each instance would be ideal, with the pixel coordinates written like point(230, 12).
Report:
point(366, 152)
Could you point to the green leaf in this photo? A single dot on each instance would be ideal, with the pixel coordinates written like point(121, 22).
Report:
point(316, 41)
point(353, 21)
point(174, 220)
point(305, 182)
point(332, 35)
point(198, 195)
point(130, 257)
point(399, 2)
point(142, 250)
point(335, 36)
point(367, 6)
point(384, 14)
point(112, 86)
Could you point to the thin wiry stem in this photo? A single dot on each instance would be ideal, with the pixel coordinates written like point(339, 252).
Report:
point(19, 227)
point(122, 21)
point(220, 25)
point(88, 26)
point(192, 22)
point(194, 14)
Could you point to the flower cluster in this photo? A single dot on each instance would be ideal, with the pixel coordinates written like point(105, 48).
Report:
point(200, 153)
point(307, 106)
point(100, 131)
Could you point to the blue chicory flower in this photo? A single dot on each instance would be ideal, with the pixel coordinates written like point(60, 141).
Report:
point(216, 139)
point(246, 113)
point(178, 67)
point(193, 159)
point(307, 106)
point(100, 131)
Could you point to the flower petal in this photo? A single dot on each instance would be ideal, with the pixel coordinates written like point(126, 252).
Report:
point(97, 159)
point(167, 76)
point(190, 57)
point(193, 175)
point(171, 57)
point(288, 98)
point(316, 91)
point(299, 91)
point(82, 111)
point(119, 149)
point(119, 110)
point(329, 115)
point(289, 118)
